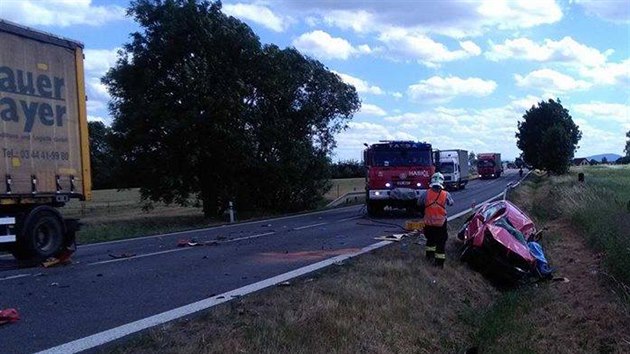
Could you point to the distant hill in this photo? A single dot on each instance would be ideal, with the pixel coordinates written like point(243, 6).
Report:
point(609, 157)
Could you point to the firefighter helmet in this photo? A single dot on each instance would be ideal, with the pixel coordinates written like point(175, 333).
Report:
point(437, 180)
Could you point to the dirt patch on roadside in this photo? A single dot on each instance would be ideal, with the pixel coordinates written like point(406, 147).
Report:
point(582, 315)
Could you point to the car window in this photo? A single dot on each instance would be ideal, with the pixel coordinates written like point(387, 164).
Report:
point(489, 212)
point(507, 225)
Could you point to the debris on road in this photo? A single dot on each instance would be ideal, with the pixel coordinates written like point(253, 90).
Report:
point(395, 237)
point(187, 243)
point(414, 225)
point(122, 255)
point(9, 316)
point(284, 283)
point(62, 259)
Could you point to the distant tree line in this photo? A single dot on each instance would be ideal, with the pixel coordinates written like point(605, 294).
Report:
point(347, 169)
point(203, 111)
point(103, 162)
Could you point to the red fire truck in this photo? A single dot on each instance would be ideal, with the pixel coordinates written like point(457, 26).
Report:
point(397, 171)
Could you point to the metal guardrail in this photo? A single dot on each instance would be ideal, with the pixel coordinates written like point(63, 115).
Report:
point(511, 185)
point(340, 199)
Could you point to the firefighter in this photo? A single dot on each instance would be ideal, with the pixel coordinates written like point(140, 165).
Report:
point(434, 200)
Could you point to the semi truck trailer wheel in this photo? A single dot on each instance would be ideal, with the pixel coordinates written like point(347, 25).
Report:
point(40, 234)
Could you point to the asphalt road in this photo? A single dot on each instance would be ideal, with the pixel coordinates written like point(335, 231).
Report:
point(98, 292)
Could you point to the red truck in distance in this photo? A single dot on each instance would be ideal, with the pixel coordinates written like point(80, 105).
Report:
point(489, 165)
point(397, 171)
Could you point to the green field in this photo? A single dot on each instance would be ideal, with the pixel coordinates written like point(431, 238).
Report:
point(343, 186)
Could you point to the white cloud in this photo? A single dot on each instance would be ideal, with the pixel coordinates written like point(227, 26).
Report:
point(566, 50)
point(372, 110)
point(470, 47)
point(442, 89)
point(366, 132)
point(98, 119)
point(605, 112)
point(362, 86)
point(416, 46)
point(99, 61)
point(598, 141)
point(60, 13)
point(453, 18)
point(550, 81)
point(397, 95)
point(523, 104)
point(491, 129)
point(359, 21)
point(510, 14)
point(95, 107)
point(609, 74)
point(259, 14)
point(612, 10)
point(322, 45)
point(94, 85)
point(479, 130)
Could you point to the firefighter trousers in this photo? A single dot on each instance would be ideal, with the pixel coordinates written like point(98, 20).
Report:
point(436, 243)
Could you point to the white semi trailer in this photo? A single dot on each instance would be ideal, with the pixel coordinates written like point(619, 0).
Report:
point(454, 166)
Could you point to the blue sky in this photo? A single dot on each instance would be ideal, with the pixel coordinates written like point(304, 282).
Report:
point(457, 74)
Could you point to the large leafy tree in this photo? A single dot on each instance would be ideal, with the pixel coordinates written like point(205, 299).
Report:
point(103, 163)
point(548, 137)
point(294, 108)
point(203, 112)
point(627, 149)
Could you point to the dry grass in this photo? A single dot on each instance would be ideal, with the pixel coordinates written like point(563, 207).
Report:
point(390, 301)
point(343, 186)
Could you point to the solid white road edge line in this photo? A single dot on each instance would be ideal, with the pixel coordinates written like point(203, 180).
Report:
point(110, 335)
point(133, 327)
point(309, 226)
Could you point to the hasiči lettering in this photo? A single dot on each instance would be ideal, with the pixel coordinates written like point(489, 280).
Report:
point(38, 92)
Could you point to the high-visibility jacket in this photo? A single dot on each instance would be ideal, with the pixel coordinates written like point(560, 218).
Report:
point(435, 208)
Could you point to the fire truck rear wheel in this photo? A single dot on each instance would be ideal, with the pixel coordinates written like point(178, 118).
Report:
point(41, 235)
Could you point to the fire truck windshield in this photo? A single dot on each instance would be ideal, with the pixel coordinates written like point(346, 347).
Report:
point(401, 157)
point(485, 163)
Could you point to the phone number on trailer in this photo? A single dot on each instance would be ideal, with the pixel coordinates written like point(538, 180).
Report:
point(35, 154)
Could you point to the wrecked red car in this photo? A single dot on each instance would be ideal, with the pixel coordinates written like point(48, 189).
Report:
point(500, 240)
